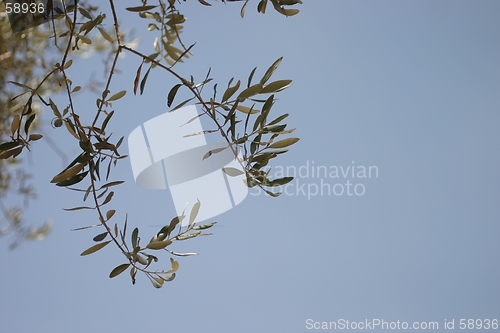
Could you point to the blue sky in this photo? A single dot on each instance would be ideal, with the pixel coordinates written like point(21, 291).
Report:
point(410, 87)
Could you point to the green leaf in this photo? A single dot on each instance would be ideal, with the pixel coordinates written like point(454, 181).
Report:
point(13, 153)
point(117, 96)
point(213, 151)
point(100, 237)
point(274, 128)
point(107, 119)
point(85, 39)
point(68, 173)
point(255, 144)
point(144, 79)
point(187, 236)
point(16, 122)
point(175, 266)
point(266, 108)
point(173, 224)
point(233, 172)
point(35, 137)
point(261, 7)
point(135, 237)
point(284, 143)
point(28, 122)
point(194, 212)
point(94, 248)
point(247, 110)
point(110, 214)
point(204, 226)
point(250, 77)
point(106, 35)
point(276, 86)
point(187, 254)
point(118, 182)
point(118, 270)
point(77, 208)
point(277, 120)
point(108, 198)
point(182, 104)
point(290, 12)
point(273, 194)
point(279, 181)
point(270, 71)
point(54, 108)
point(249, 92)
point(157, 282)
point(172, 93)
point(84, 13)
point(230, 91)
point(68, 64)
point(73, 180)
point(9, 145)
point(168, 278)
point(158, 245)
point(140, 8)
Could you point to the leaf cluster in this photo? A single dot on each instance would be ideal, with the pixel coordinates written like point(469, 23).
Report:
point(240, 114)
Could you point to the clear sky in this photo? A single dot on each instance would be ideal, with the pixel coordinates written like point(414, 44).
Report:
point(410, 88)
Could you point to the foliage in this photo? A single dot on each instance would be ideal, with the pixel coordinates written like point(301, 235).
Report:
point(240, 114)
point(23, 58)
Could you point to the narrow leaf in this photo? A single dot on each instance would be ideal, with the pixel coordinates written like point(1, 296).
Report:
point(137, 77)
point(168, 278)
point(194, 212)
point(213, 151)
point(158, 245)
point(108, 198)
point(230, 91)
point(182, 104)
point(250, 91)
point(187, 236)
point(140, 8)
point(94, 248)
point(279, 181)
point(175, 266)
point(187, 254)
point(284, 143)
point(277, 120)
point(172, 93)
point(118, 270)
point(15, 124)
point(144, 79)
point(100, 237)
point(276, 86)
point(118, 182)
point(245, 109)
point(73, 180)
point(110, 213)
point(204, 226)
point(270, 71)
point(77, 208)
point(135, 237)
point(117, 96)
point(233, 172)
point(155, 282)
